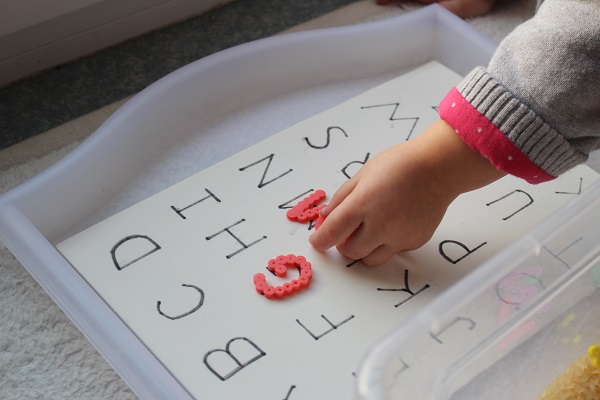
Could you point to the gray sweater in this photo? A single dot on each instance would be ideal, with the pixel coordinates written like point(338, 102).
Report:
point(542, 87)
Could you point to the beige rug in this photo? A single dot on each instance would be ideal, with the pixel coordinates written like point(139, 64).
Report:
point(42, 354)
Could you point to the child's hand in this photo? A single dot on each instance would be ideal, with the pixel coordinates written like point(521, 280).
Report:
point(397, 200)
point(462, 8)
point(391, 204)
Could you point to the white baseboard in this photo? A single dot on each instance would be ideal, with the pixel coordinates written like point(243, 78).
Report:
point(77, 32)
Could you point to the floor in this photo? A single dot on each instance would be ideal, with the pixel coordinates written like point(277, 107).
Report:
point(53, 97)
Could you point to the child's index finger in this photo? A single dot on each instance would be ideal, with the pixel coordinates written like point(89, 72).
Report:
point(338, 197)
point(338, 226)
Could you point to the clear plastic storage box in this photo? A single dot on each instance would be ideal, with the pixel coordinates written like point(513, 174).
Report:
point(508, 329)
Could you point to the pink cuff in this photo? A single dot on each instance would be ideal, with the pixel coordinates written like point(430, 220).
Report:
point(485, 138)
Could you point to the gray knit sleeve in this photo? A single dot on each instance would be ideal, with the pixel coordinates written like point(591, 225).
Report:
point(542, 86)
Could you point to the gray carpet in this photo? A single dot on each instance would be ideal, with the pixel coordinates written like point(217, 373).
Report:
point(61, 94)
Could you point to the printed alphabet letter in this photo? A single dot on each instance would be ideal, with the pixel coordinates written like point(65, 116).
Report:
point(471, 323)
point(459, 244)
point(344, 170)
point(224, 363)
point(558, 254)
point(329, 132)
point(406, 289)
point(135, 250)
point(332, 325)
point(393, 116)
point(244, 245)
point(529, 202)
point(196, 308)
point(179, 210)
point(268, 159)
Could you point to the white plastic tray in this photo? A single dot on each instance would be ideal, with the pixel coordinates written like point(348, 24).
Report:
point(192, 119)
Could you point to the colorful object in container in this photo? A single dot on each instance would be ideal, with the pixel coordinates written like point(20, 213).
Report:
point(594, 354)
point(581, 381)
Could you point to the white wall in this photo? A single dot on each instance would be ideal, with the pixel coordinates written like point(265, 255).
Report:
point(38, 34)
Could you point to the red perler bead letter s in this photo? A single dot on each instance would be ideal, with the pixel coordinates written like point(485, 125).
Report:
point(279, 266)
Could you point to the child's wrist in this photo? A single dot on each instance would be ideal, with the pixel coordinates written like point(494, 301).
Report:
point(452, 163)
